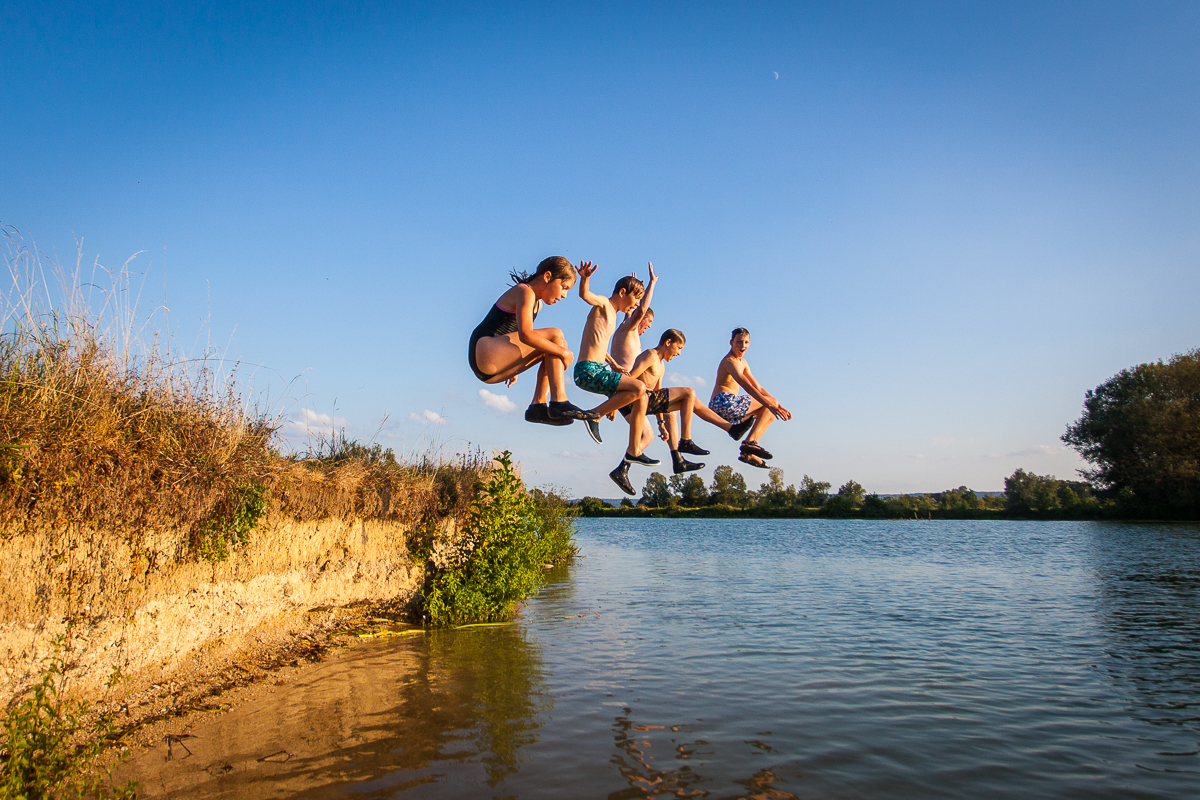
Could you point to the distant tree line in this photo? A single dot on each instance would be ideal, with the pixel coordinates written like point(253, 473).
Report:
point(1139, 432)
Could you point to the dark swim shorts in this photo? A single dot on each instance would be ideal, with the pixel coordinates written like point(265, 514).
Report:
point(657, 401)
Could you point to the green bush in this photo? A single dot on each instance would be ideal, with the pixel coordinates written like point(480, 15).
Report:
point(498, 557)
point(40, 756)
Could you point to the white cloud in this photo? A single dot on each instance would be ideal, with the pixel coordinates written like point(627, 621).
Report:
point(686, 380)
point(430, 417)
point(309, 422)
point(1039, 450)
point(499, 402)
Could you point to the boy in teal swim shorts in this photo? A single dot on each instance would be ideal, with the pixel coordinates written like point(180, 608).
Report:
point(593, 375)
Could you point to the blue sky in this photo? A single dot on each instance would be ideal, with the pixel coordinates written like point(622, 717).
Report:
point(942, 222)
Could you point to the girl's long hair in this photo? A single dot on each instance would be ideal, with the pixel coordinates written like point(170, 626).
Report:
point(558, 267)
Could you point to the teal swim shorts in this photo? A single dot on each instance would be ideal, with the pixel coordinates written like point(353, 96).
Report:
point(592, 376)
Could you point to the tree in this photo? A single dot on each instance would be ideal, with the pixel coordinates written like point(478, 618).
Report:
point(1025, 492)
point(591, 506)
point(773, 493)
point(692, 491)
point(1140, 431)
point(852, 490)
point(657, 493)
point(958, 499)
point(728, 487)
point(813, 493)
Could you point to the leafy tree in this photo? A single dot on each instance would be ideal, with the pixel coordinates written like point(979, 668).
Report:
point(691, 490)
point(1025, 492)
point(591, 506)
point(657, 493)
point(852, 490)
point(728, 487)
point(1140, 431)
point(958, 499)
point(813, 493)
point(773, 493)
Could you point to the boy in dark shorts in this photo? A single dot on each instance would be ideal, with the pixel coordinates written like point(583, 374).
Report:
point(663, 403)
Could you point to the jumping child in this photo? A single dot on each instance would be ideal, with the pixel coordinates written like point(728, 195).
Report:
point(592, 374)
point(758, 403)
point(506, 344)
point(627, 342)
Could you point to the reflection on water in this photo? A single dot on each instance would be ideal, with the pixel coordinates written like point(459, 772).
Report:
point(647, 780)
point(1149, 604)
point(387, 717)
point(765, 659)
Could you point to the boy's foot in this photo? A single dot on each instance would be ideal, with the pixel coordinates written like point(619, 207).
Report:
point(752, 460)
point(691, 448)
point(739, 429)
point(593, 429)
point(643, 459)
point(567, 410)
point(537, 412)
point(620, 477)
point(680, 464)
point(751, 448)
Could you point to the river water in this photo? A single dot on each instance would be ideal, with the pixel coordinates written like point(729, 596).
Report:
point(766, 659)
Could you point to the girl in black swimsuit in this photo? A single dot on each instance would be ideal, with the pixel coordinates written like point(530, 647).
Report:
point(506, 344)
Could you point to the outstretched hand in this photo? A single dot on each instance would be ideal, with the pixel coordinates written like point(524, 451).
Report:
point(781, 412)
point(586, 268)
point(653, 277)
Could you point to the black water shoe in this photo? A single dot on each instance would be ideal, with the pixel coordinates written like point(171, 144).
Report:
point(691, 448)
point(643, 459)
point(739, 429)
point(537, 412)
point(620, 477)
point(681, 465)
point(567, 410)
point(593, 429)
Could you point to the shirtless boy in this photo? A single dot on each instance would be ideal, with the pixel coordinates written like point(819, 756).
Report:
point(592, 374)
point(662, 403)
point(649, 368)
point(757, 403)
point(627, 343)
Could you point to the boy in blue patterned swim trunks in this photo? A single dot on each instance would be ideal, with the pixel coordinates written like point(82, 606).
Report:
point(593, 375)
point(732, 373)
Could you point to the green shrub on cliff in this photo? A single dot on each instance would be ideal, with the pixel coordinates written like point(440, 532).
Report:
point(40, 756)
point(496, 561)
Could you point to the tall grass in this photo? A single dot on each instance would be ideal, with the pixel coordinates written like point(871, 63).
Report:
point(103, 424)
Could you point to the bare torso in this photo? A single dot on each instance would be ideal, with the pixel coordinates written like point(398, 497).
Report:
point(597, 331)
point(726, 372)
point(652, 375)
point(627, 343)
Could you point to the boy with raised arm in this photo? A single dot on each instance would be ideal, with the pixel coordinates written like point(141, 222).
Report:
point(627, 342)
point(592, 374)
point(757, 403)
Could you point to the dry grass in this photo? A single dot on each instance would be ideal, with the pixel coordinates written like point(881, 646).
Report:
point(102, 426)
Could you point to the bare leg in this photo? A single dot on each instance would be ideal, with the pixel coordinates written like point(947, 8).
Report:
point(637, 422)
point(708, 415)
point(673, 431)
point(628, 390)
point(762, 421)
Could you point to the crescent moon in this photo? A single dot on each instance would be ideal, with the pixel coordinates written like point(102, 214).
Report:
point(776, 76)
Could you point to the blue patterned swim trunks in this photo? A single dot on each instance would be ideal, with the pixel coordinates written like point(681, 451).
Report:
point(730, 407)
point(592, 376)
